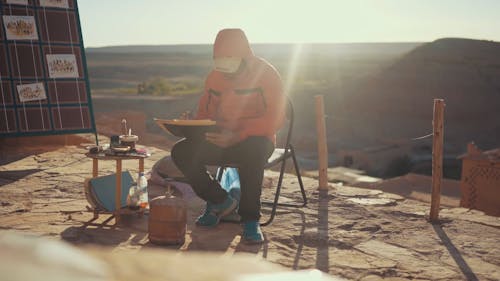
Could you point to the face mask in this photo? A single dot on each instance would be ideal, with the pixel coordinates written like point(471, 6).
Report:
point(227, 64)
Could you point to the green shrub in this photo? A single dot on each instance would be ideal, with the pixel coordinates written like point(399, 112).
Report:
point(156, 86)
point(160, 86)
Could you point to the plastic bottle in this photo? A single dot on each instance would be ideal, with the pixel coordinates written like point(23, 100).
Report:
point(142, 184)
point(133, 197)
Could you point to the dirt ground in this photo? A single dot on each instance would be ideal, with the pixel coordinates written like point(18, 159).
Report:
point(354, 233)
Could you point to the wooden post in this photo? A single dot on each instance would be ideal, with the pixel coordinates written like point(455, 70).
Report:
point(141, 165)
point(322, 146)
point(437, 158)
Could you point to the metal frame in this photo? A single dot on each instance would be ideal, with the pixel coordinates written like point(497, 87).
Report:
point(45, 79)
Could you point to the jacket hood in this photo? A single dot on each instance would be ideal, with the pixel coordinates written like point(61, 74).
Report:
point(232, 43)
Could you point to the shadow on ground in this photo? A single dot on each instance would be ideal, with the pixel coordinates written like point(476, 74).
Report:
point(455, 253)
point(11, 176)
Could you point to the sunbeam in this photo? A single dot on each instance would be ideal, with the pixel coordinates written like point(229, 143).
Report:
point(292, 71)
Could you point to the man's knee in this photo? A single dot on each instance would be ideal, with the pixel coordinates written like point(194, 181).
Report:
point(180, 151)
point(261, 149)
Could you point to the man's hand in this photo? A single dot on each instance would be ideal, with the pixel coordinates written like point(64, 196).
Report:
point(224, 139)
point(186, 115)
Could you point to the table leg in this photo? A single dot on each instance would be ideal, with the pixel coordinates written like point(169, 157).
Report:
point(95, 167)
point(118, 194)
point(95, 174)
point(141, 165)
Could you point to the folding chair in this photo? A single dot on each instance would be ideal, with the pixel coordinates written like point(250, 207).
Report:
point(280, 156)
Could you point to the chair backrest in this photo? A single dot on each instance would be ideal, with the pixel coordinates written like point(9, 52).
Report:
point(288, 128)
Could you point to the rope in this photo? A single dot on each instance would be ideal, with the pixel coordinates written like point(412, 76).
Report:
point(383, 147)
point(396, 145)
point(422, 137)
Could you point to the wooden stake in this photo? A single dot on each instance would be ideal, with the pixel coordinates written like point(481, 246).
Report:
point(322, 145)
point(437, 158)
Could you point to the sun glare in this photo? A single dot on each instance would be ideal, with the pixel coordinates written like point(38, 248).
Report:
point(294, 62)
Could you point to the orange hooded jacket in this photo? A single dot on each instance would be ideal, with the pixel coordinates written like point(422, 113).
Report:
point(250, 103)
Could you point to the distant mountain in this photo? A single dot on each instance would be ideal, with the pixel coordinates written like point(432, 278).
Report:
point(151, 49)
point(397, 102)
point(264, 49)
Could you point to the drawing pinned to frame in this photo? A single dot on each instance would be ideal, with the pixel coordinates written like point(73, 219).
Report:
point(62, 66)
point(55, 3)
point(31, 92)
point(20, 27)
point(18, 2)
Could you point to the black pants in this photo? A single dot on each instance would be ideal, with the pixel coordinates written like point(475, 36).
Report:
point(250, 156)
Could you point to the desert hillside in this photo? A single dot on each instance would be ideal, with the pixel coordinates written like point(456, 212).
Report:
point(465, 73)
point(378, 96)
point(375, 117)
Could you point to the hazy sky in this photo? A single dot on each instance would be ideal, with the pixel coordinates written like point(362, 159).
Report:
point(132, 22)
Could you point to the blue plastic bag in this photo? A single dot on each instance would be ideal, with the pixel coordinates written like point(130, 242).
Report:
point(230, 181)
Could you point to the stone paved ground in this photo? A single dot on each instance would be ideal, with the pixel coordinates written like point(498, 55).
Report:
point(359, 234)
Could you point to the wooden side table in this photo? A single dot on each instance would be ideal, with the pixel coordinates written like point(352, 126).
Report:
point(118, 194)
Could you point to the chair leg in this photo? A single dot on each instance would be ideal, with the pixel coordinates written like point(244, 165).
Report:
point(278, 190)
point(276, 196)
point(275, 203)
point(299, 177)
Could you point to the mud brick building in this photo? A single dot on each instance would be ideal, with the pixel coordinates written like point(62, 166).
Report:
point(480, 182)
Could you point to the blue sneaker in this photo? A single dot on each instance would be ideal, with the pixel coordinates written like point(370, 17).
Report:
point(208, 218)
point(233, 216)
point(213, 213)
point(226, 207)
point(252, 233)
